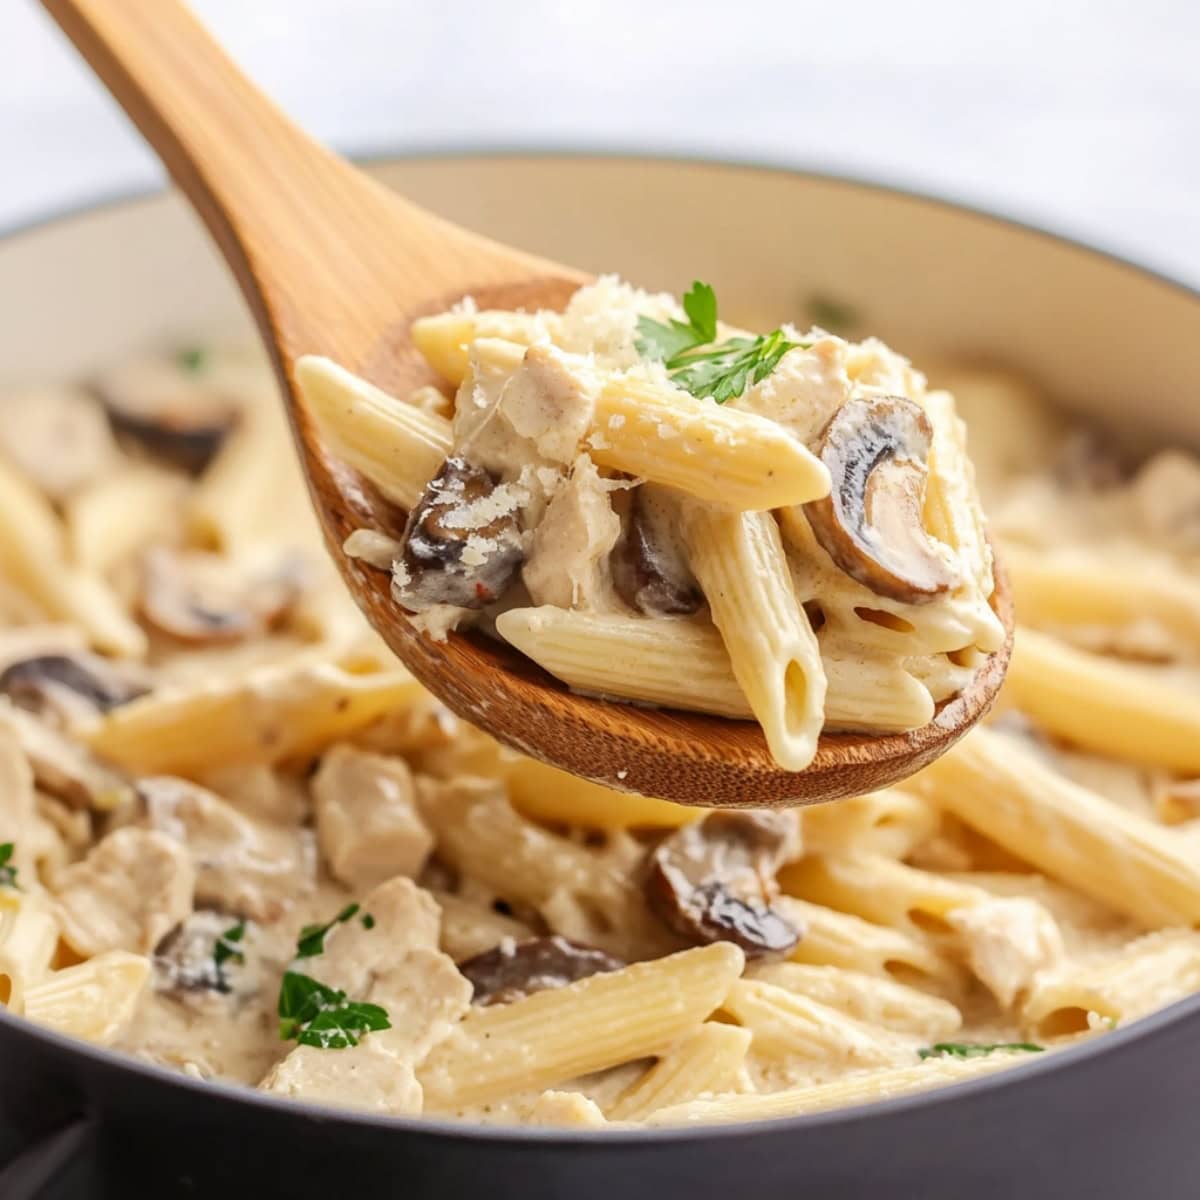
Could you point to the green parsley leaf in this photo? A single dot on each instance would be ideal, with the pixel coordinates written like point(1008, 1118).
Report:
point(659, 341)
point(726, 371)
point(192, 359)
point(8, 873)
point(723, 371)
point(225, 948)
point(314, 1014)
point(312, 937)
point(368, 921)
point(975, 1049)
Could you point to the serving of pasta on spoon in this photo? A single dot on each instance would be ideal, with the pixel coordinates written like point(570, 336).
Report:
point(768, 544)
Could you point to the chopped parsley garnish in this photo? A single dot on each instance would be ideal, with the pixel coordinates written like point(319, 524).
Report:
point(312, 937)
point(316, 1015)
point(368, 921)
point(226, 948)
point(192, 359)
point(975, 1049)
point(8, 873)
point(701, 365)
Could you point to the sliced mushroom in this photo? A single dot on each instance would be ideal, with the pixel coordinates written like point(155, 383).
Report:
point(462, 542)
point(871, 525)
point(715, 880)
point(66, 769)
point(167, 408)
point(515, 969)
point(62, 441)
point(649, 571)
point(186, 960)
point(67, 686)
point(206, 599)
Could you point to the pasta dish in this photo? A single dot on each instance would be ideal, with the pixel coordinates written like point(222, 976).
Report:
point(238, 841)
point(658, 508)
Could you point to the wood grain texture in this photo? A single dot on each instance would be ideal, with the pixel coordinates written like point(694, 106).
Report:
point(332, 263)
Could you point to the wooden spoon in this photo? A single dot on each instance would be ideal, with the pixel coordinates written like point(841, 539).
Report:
point(333, 263)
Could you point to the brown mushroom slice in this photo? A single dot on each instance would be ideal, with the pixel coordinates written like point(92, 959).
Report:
point(515, 969)
point(462, 543)
point(69, 686)
point(877, 449)
point(64, 768)
point(649, 571)
point(168, 409)
point(205, 599)
point(714, 880)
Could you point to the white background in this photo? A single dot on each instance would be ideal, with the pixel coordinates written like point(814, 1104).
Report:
point(1084, 116)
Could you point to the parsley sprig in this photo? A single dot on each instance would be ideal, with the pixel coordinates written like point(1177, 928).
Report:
point(8, 873)
point(226, 948)
point(701, 365)
point(315, 1014)
point(312, 937)
point(975, 1049)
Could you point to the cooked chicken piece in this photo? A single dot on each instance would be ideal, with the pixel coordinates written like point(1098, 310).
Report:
point(1007, 941)
point(568, 564)
point(132, 889)
point(242, 866)
point(368, 826)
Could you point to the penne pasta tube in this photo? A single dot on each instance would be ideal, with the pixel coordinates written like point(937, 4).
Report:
point(33, 556)
point(28, 941)
point(866, 998)
point(709, 1062)
point(94, 1000)
point(739, 562)
point(1145, 975)
point(271, 714)
point(121, 513)
point(590, 1025)
point(684, 664)
point(866, 1087)
point(840, 939)
point(544, 793)
point(890, 822)
point(789, 1024)
point(1078, 587)
point(1118, 709)
point(398, 446)
point(1126, 862)
point(722, 455)
point(445, 340)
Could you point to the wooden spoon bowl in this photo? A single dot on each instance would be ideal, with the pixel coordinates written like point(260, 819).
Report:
point(332, 263)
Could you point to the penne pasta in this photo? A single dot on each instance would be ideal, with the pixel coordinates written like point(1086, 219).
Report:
point(787, 1024)
point(94, 1000)
point(445, 339)
point(728, 457)
point(587, 1026)
point(398, 446)
point(274, 713)
point(866, 1087)
point(1120, 709)
point(1122, 860)
point(739, 561)
point(708, 1062)
point(867, 998)
point(33, 556)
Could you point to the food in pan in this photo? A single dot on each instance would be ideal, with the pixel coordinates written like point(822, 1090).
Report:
point(660, 508)
point(237, 840)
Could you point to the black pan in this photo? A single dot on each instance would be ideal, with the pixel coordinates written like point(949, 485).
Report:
point(1107, 1120)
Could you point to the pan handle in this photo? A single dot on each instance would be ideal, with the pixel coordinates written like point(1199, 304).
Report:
point(59, 1164)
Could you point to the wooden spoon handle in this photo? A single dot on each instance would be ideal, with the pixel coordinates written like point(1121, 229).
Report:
point(321, 251)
